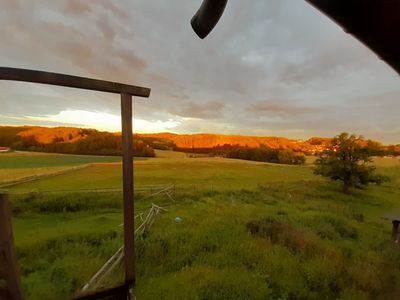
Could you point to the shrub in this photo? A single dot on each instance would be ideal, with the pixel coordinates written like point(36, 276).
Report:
point(284, 234)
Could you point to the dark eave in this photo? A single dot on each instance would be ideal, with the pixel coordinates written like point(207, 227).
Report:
point(376, 23)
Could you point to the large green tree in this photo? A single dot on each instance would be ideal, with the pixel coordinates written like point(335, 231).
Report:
point(348, 160)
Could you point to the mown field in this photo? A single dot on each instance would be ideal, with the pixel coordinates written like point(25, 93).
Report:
point(17, 165)
point(204, 173)
point(249, 231)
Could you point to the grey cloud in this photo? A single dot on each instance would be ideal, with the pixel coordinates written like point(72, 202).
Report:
point(78, 44)
point(11, 4)
point(384, 100)
point(316, 79)
point(334, 58)
point(281, 108)
point(80, 7)
point(77, 7)
point(201, 110)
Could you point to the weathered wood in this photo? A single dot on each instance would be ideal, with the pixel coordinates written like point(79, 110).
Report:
point(8, 260)
point(16, 74)
point(92, 283)
point(127, 180)
point(394, 217)
point(126, 92)
point(395, 231)
point(116, 293)
point(116, 259)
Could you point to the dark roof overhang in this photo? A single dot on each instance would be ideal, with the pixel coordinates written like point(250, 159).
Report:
point(376, 23)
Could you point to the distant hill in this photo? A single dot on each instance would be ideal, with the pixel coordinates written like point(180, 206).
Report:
point(91, 141)
point(67, 140)
point(205, 142)
point(188, 142)
point(47, 135)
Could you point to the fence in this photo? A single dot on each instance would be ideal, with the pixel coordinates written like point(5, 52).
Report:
point(9, 276)
point(118, 256)
point(172, 188)
point(126, 93)
point(152, 189)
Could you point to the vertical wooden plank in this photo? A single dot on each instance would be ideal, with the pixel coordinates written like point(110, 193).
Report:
point(8, 260)
point(127, 173)
point(395, 231)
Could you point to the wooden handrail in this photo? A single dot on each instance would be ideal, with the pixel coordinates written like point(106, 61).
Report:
point(126, 92)
point(26, 75)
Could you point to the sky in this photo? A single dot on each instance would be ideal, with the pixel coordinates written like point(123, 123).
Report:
point(269, 68)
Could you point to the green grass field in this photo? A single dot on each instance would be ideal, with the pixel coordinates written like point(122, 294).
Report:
point(18, 165)
point(249, 231)
point(200, 173)
point(24, 160)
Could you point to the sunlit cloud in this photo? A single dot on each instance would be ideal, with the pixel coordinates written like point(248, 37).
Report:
point(103, 121)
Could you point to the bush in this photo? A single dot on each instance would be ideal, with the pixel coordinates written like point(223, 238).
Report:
point(285, 234)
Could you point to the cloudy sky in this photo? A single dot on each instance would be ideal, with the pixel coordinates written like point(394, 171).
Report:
point(271, 67)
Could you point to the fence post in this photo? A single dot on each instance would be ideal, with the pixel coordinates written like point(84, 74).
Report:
point(8, 260)
point(395, 231)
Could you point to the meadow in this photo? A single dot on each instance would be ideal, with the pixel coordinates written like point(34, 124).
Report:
point(204, 173)
point(249, 231)
point(17, 165)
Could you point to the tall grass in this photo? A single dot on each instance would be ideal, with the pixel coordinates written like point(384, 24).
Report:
point(258, 245)
point(283, 240)
point(59, 268)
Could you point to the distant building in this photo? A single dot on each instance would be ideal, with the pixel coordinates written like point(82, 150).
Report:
point(4, 149)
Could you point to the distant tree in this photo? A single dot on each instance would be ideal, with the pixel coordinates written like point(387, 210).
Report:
point(348, 160)
point(393, 150)
point(266, 154)
point(375, 148)
point(288, 156)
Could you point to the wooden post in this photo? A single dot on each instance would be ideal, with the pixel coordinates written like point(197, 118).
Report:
point(395, 231)
point(8, 260)
point(127, 178)
point(126, 92)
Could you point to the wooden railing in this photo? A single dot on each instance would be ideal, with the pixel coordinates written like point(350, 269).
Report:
point(118, 256)
point(126, 92)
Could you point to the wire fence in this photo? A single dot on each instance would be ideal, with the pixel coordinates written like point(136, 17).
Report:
point(139, 189)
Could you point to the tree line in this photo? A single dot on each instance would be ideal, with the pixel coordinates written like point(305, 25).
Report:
point(266, 154)
point(91, 142)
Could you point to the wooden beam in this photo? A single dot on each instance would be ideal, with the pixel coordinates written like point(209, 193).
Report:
point(127, 180)
point(8, 260)
point(72, 81)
